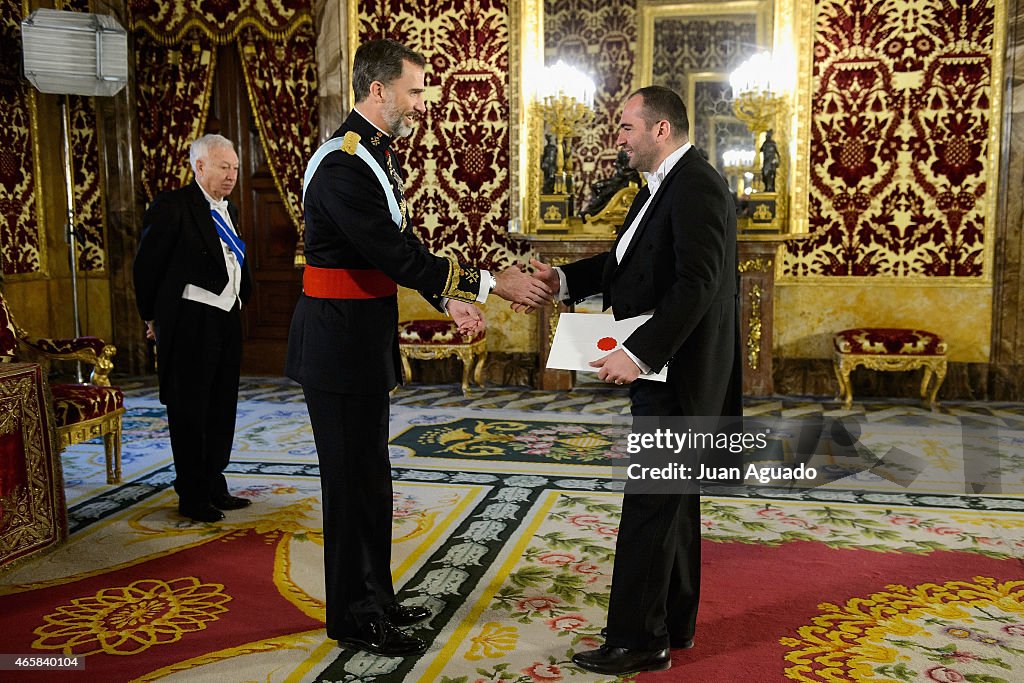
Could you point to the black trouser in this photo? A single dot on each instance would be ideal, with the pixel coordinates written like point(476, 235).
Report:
point(203, 401)
point(351, 435)
point(656, 578)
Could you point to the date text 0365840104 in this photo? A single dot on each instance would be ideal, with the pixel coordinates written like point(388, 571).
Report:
point(41, 662)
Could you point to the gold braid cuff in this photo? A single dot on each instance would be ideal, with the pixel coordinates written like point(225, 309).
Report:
point(461, 282)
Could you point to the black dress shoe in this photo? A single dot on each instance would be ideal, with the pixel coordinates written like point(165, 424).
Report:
point(617, 661)
point(406, 615)
point(674, 643)
point(201, 513)
point(380, 637)
point(229, 502)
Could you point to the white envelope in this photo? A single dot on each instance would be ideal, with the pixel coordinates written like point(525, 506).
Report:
point(583, 337)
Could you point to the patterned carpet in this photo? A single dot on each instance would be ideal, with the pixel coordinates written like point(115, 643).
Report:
point(505, 520)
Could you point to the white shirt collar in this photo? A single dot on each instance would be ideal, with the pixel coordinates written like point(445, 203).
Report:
point(655, 179)
point(220, 204)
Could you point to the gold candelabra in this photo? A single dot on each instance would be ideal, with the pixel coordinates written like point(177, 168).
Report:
point(765, 207)
point(564, 116)
point(758, 87)
point(562, 98)
point(757, 108)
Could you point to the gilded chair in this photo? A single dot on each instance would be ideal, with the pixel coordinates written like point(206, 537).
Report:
point(429, 339)
point(889, 349)
point(82, 412)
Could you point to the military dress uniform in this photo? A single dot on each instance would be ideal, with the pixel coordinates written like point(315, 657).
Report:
point(343, 350)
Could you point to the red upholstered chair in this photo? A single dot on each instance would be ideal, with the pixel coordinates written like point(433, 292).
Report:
point(81, 411)
point(429, 339)
point(889, 348)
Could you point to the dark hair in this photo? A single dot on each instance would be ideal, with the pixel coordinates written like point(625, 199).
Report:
point(380, 60)
point(661, 103)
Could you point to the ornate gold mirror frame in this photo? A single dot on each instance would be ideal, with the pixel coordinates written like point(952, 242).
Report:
point(784, 27)
point(794, 35)
point(526, 129)
point(650, 11)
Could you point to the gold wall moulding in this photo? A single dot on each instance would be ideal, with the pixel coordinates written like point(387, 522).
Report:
point(754, 329)
point(761, 265)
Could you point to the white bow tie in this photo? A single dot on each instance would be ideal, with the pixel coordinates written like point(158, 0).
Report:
point(654, 180)
point(220, 205)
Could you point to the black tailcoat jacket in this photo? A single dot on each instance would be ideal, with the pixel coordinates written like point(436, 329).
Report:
point(179, 246)
point(680, 265)
point(350, 346)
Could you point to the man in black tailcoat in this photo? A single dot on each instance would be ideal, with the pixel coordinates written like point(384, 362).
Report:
point(675, 258)
point(191, 280)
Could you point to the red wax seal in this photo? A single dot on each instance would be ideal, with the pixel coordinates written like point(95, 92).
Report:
point(607, 343)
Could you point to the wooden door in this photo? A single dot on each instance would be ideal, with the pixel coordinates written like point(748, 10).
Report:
point(266, 228)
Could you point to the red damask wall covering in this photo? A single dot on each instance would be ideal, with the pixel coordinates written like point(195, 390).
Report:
point(901, 119)
point(20, 238)
point(457, 161)
point(22, 243)
point(175, 57)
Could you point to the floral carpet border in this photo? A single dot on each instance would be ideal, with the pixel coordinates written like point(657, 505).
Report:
point(114, 500)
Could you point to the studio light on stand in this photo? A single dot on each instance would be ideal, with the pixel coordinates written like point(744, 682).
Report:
point(74, 53)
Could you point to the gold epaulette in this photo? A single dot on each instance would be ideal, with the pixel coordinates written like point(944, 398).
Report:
point(350, 142)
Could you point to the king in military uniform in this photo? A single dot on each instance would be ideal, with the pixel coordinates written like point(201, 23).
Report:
point(343, 346)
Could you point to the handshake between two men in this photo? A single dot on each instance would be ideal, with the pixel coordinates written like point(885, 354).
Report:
point(529, 291)
point(525, 291)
